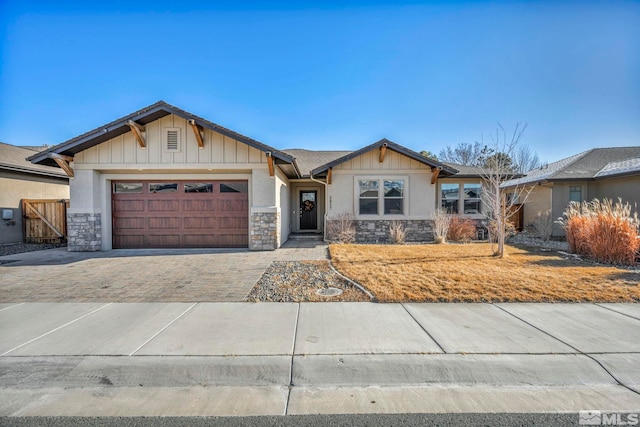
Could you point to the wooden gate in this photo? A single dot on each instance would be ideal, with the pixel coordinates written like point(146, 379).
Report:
point(45, 221)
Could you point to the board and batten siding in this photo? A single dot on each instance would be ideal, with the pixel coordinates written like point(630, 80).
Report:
point(419, 192)
point(124, 149)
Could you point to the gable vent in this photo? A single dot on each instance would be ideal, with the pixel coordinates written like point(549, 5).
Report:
point(172, 139)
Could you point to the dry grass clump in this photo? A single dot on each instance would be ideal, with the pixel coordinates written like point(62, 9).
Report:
point(463, 273)
point(461, 230)
point(603, 231)
point(441, 223)
point(341, 228)
point(397, 233)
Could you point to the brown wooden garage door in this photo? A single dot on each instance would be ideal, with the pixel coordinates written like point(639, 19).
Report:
point(180, 214)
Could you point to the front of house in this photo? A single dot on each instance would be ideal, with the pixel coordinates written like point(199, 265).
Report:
point(164, 178)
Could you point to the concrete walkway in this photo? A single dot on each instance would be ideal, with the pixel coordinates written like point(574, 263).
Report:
point(179, 359)
point(143, 275)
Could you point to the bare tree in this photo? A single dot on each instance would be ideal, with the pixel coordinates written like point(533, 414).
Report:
point(496, 171)
point(525, 159)
point(463, 154)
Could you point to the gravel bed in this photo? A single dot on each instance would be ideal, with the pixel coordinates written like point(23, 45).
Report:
point(530, 240)
point(18, 248)
point(298, 281)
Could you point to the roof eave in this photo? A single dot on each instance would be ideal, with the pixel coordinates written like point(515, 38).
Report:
point(145, 116)
point(393, 147)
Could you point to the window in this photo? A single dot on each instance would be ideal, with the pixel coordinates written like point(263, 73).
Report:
point(368, 197)
point(472, 195)
point(575, 193)
point(234, 187)
point(393, 197)
point(450, 197)
point(163, 187)
point(198, 187)
point(127, 187)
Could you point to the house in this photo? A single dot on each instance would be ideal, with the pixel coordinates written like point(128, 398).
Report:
point(21, 179)
point(163, 177)
point(599, 173)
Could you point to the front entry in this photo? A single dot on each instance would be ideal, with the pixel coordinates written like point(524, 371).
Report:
point(308, 210)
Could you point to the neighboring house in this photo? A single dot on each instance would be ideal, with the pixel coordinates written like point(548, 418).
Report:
point(21, 179)
point(163, 177)
point(599, 173)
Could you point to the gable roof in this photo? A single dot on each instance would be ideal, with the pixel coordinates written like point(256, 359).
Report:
point(144, 116)
point(586, 165)
point(445, 169)
point(465, 171)
point(15, 159)
point(309, 160)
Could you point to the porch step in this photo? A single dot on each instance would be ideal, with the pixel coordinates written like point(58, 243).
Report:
point(306, 236)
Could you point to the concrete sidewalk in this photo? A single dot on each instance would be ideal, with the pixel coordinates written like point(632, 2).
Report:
point(180, 359)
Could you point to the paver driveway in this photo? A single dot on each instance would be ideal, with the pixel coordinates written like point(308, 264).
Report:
point(142, 275)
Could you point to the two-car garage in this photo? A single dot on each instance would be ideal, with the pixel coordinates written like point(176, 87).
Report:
point(180, 214)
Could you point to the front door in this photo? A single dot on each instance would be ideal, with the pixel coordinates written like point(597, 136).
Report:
point(308, 212)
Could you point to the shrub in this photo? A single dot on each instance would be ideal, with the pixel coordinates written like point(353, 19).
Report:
point(341, 228)
point(492, 229)
point(603, 231)
point(441, 222)
point(397, 232)
point(542, 226)
point(461, 230)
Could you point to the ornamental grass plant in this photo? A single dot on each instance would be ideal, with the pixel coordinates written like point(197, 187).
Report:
point(604, 231)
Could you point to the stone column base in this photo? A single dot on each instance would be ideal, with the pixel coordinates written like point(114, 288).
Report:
point(264, 230)
point(84, 232)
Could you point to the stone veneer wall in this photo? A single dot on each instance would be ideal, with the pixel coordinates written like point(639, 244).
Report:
point(264, 231)
point(84, 232)
point(377, 231)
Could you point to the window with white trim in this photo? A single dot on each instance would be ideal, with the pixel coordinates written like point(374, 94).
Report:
point(393, 197)
point(368, 201)
point(450, 196)
point(381, 196)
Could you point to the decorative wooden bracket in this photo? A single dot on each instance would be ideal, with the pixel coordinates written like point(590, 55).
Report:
point(270, 163)
point(138, 131)
point(383, 151)
point(63, 163)
point(329, 176)
point(197, 131)
point(435, 173)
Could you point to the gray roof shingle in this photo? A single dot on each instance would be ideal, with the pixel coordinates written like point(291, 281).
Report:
point(15, 159)
point(309, 160)
point(585, 165)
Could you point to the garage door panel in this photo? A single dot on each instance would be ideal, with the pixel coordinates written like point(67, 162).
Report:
point(201, 240)
point(129, 241)
point(181, 218)
point(163, 205)
point(165, 223)
point(200, 222)
point(132, 223)
point(131, 205)
point(163, 240)
point(199, 205)
point(233, 222)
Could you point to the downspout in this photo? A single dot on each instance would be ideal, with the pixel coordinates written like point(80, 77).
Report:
point(326, 206)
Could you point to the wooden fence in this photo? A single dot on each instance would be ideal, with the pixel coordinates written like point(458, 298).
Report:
point(45, 221)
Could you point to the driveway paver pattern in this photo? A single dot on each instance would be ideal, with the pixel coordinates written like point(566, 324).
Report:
point(145, 275)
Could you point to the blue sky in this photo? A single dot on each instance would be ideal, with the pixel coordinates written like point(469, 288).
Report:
point(329, 75)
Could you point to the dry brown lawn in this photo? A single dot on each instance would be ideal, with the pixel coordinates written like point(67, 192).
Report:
point(457, 273)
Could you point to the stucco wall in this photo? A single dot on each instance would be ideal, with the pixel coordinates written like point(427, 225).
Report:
point(17, 186)
point(627, 188)
point(539, 200)
point(281, 193)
